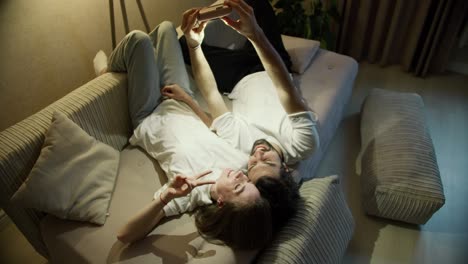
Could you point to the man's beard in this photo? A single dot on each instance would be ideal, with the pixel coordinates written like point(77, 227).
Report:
point(260, 142)
point(268, 147)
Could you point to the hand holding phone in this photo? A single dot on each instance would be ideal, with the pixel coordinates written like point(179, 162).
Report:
point(213, 12)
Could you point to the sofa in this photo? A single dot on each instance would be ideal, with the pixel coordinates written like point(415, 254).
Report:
point(319, 233)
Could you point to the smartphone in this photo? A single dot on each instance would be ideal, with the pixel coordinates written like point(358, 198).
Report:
point(213, 12)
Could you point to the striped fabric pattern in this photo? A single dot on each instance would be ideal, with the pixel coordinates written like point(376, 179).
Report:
point(321, 230)
point(99, 107)
point(400, 177)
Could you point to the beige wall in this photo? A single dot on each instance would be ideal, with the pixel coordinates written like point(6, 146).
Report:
point(47, 46)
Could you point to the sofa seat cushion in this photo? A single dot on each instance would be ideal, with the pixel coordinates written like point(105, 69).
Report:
point(139, 176)
point(400, 178)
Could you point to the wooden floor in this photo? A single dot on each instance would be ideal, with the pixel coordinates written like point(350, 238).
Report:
point(444, 239)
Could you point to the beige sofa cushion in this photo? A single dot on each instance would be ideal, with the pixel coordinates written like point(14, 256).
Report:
point(74, 176)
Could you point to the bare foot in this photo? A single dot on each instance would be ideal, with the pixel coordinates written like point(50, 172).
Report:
point(100, 63)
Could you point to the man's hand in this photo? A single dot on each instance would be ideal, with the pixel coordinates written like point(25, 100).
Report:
point(247, 24)
point(194, 33)
point(174, 91)
point(182, 185)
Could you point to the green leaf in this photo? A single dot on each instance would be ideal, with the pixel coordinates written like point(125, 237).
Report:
point(293, 20)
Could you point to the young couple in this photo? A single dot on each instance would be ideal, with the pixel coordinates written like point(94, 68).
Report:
point(234, 170)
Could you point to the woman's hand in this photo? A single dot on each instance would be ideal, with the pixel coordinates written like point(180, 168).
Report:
point(247, 24)
point(174, 91)
point(194, 32)
point(182, 185)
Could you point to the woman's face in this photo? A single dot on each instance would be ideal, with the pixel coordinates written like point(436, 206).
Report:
point(235, 186)
point(264, 161)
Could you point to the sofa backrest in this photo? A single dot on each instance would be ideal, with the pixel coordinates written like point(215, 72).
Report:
point(99, 107)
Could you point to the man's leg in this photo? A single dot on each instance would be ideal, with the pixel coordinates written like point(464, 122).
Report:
point(169, 57)
point(134, 55)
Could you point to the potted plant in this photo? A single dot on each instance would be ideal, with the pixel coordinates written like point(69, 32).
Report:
point(314, 23)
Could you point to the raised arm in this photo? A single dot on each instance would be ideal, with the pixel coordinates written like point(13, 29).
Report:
point(144, 221)
point(201, 70)
point(289, 96)
point(174, 91)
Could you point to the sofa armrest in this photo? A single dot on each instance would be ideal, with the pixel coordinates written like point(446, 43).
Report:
point(319, 232)
point(99, 107)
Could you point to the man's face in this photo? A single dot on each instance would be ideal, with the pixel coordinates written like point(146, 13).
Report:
point(264, 161)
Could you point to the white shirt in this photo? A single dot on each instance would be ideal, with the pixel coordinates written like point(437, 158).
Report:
point(182, 144)
point(258, 114)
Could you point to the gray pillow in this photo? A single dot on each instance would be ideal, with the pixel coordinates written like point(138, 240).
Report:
point(301, 51)
point(74, 176)
point(321, 229)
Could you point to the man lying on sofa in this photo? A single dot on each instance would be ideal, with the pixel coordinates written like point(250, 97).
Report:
point(177, 136)
point(268, 157)
point(271, 142)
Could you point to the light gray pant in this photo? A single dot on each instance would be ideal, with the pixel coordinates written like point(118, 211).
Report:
point(151, 62)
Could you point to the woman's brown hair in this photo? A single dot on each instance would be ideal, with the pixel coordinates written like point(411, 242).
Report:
point(246, 226)
point(282, 194)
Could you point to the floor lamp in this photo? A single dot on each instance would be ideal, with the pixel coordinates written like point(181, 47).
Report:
point(125, 19)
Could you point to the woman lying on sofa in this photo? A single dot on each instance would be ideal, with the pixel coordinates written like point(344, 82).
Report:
point(269, 158)
point(176, 134)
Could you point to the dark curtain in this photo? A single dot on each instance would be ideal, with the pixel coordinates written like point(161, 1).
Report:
point(417, 34)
